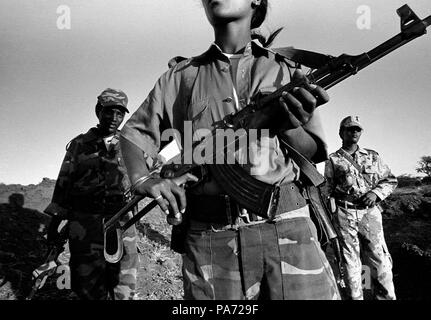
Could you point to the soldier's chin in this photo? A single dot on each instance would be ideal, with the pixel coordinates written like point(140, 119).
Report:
point(109, 129)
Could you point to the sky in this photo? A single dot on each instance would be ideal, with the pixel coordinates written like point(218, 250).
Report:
point(51, 71)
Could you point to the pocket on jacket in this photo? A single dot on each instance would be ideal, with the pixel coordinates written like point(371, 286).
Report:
point(199, 114)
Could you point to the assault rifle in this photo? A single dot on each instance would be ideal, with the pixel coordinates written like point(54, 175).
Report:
point(49, 267)
point(328, 72)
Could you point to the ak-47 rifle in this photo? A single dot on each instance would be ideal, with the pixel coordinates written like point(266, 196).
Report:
point(49, 267)
point(333, 71)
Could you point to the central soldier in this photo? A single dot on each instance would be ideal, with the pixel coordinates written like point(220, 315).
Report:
point(229, 253)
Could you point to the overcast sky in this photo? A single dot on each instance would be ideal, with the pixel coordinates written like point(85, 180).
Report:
point(50, 77)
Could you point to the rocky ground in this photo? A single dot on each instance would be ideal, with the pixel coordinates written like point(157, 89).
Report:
point(23, 248)
point(407, 223)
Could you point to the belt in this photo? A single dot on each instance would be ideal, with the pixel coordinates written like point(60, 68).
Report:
point(223, 209)
point(217, 227)
point(349, 205)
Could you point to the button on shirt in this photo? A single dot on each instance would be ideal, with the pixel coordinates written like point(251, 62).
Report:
point(345, 182)
point(219, 90)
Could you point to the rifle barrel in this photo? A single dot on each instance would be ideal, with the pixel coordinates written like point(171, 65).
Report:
point(124, 210)
point(411, 28)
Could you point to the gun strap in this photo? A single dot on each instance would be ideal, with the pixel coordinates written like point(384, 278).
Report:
point(306, 166)
point(309, 59)
point(356, 165)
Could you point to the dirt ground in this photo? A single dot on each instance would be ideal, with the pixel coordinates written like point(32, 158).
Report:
point(407, 224)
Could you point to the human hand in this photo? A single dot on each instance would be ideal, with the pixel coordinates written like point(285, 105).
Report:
point(293, 109)
point(168, 193)
point(298, 106)
point(369, 199)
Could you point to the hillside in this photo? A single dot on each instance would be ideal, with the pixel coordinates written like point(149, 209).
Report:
point(407, 224)
point(23, 248)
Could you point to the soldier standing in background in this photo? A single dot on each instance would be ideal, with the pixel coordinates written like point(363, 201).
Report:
point(90, 187)
point(358, 180)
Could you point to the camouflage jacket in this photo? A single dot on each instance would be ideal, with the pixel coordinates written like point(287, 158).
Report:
point(92, 177)
point(345, 182)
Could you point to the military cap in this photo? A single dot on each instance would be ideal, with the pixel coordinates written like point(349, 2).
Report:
point(351, 121)
point(113, 97)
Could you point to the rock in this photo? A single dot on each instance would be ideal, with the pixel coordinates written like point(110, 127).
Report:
point(414, 250)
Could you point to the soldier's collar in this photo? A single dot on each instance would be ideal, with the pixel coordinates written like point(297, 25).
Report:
point(254, 47)
point(362, 150)
point(93, 134)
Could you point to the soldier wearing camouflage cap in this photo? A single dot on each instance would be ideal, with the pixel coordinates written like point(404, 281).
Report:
point(358, 180)
point(90, 187)
point(112, 97)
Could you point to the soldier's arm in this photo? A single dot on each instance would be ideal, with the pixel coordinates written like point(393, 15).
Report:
point(134, 160)
point(304, 130)
point(60, 203)
point(329, 186)
point(61, 198)
point(387, 181)
point(302, 141)
point(141, 138)
point(141, 134)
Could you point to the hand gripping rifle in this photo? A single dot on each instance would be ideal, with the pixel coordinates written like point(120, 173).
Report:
point(328, 72)
point(49, 267)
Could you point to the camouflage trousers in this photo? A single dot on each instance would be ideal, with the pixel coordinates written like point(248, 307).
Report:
point(362, 235)
point(92, 278)
point(272, 260)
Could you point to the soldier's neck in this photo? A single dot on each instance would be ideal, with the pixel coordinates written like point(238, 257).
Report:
point(350, 148)
point(232, 37)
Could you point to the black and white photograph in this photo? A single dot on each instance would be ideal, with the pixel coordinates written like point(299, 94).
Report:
point(237, 151)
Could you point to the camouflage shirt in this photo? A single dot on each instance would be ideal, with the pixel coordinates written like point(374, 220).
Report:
point(92, 176)
point(345, 182)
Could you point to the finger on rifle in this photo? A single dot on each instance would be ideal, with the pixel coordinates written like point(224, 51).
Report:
point(295, 107)
point(307, 100)
point(320, 94)
point(184, 179)
point(168, 195)
point(161, 202)
point(299, 76)
point(181, 197)
point(292, 121)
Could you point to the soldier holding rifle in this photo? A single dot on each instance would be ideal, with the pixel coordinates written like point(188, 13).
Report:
point(229, 252)
point(358, 180)
point(91, 187)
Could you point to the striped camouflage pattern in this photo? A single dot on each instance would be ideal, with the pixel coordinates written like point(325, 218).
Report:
point(281, 260)
point(91, 276)
point(91, 174)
